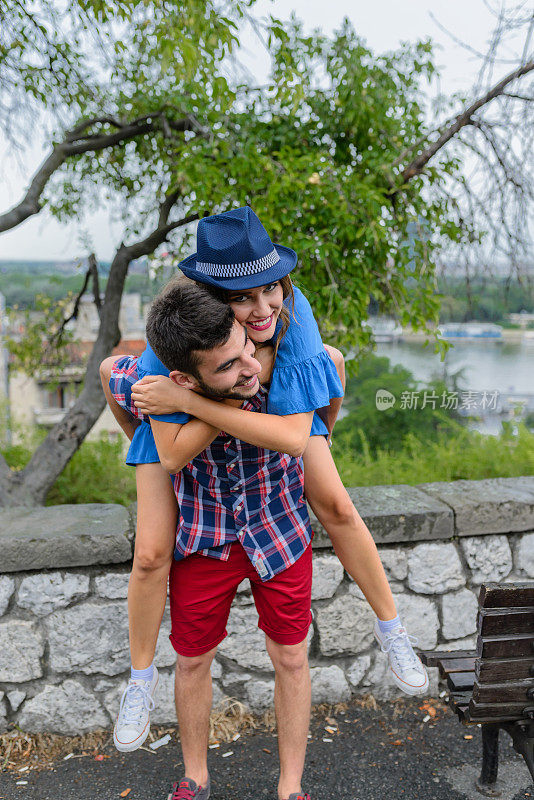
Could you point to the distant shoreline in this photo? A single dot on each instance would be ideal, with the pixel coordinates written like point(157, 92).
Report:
point(514, 335)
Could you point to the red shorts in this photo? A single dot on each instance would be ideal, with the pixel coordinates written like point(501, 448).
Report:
point(202, 590)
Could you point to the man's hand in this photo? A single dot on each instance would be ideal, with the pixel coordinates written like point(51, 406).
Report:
point(157, 394)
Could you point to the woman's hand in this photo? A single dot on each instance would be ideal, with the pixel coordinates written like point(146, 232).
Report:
point(156, 394)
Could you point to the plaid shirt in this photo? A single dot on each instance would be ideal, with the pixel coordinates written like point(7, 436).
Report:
point(235, 491)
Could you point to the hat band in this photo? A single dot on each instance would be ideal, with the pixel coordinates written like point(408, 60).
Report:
point(237, 270)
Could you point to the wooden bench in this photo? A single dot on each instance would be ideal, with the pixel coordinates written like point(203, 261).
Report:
point(493, 686)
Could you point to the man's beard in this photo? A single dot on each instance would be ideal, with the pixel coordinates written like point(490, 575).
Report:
point(217, 394)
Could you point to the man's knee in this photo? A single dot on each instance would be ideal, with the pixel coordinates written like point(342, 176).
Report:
point(191, 666)
point(292, 658)
point(148, 560)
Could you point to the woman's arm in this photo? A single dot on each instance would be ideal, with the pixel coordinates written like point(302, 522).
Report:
point(285, 434)
point(125, 420)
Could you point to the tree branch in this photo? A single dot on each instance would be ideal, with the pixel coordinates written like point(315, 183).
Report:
point(53, 454)
point(76, 142)
point(463, 119)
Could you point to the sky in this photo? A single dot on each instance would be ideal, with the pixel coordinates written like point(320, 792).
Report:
point(383, 24)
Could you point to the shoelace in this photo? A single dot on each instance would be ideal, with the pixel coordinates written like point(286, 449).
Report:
point(181, 791)
point(401, 643)
point(135, 698)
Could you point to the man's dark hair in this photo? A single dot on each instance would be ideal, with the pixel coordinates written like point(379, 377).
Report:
point(184, 320)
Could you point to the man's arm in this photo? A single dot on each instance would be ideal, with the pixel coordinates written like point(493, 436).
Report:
point(125, 420)
point(177, 444)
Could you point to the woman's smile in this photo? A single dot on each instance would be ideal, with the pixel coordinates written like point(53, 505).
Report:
point(260, 324)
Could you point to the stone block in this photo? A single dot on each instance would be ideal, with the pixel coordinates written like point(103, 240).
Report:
point(356, 671)
point(489, 557)
point(165, 652)
point(218, 696)
point(420, 618)
point(46, 592)
point(329, 685)
point(165, 708)
point(64, 536)
point(7, 587)
point(22, 647)
point(396, 514)
point(90, 638)
point(3, 714)
point(245, 643)
point(395, 562)
point(216, 670)
point(15, 698)
point(112, 585)
point(459, 613)
point(494, 505)
point(231, 678)
point(345, 625)
point(66, 709)
point(327, 575)
point(434, 568)
point(524, 554)
point(260, 694)
point(467, 643)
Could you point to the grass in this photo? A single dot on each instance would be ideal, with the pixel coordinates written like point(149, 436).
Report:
point(97, 474)
point(463, 455)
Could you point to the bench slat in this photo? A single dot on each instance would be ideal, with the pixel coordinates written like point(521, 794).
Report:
point(505, 621)
point(505, 647)
point(508, 669)
point(497, 711)
point(460, 681)
point(493, 595)
point(503, 692)
point(432, 658)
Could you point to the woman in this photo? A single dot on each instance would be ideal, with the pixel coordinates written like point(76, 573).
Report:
point(236, 258)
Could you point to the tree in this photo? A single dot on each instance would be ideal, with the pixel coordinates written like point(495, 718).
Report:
point(345, 168)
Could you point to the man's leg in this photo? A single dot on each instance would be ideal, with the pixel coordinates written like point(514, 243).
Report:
point(193, 694)
point(292, 703)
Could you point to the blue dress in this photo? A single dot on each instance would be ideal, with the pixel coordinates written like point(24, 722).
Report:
point(304, 378)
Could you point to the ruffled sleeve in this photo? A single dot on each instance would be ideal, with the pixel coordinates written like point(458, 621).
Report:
point(304, 376)
point(149, 364)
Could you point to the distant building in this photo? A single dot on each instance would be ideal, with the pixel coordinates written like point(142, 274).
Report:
point(44, 398)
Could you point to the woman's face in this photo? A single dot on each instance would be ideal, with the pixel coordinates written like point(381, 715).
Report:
point(258, 309)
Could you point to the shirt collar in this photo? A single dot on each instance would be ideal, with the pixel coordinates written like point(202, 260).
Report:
point(256, 400)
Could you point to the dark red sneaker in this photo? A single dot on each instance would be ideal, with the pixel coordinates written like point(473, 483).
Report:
point(187, 789)
point(296, 796)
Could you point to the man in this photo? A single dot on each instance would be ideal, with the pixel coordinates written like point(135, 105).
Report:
point(242, 514)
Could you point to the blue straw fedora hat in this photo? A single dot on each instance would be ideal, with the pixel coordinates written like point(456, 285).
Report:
point(234, 251)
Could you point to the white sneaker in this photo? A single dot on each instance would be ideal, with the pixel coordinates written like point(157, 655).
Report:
point(133, 720)
point(405, 666)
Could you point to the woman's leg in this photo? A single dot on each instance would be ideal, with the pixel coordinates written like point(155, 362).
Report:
point(357, 551)
point(154, 543)
point(147, 593)
point(350, 537)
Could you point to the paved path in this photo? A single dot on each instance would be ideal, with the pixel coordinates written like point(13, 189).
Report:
point(377, 755)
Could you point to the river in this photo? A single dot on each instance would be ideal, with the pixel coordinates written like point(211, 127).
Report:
point(487, 367)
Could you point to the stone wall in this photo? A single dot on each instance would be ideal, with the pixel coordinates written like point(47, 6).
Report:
point(64, 658)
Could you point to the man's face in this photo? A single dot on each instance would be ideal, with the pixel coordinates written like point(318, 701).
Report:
point(228, 371)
